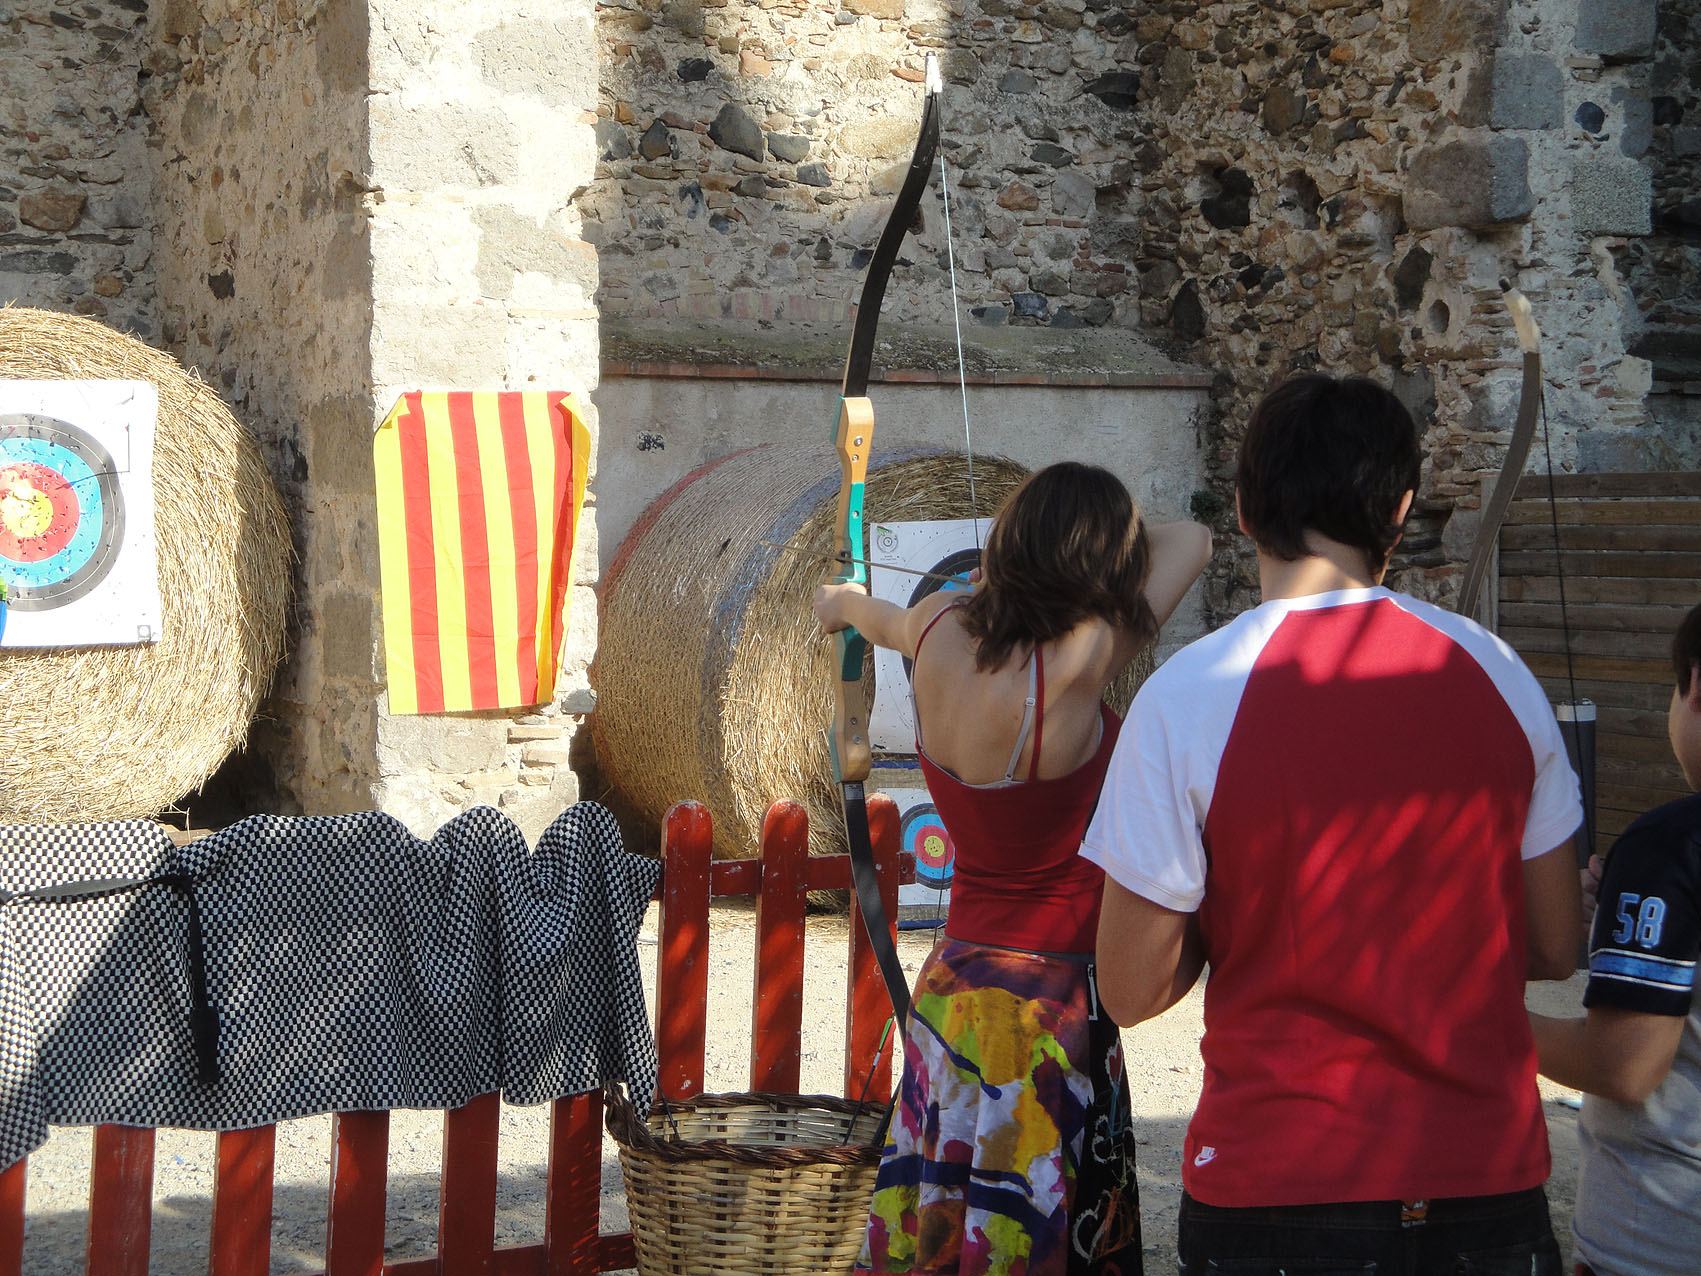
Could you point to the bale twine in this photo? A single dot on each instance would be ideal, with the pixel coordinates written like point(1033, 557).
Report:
point(109, 733)
point(713, 680)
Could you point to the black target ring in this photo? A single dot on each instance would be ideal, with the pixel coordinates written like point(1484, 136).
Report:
point(59, 490)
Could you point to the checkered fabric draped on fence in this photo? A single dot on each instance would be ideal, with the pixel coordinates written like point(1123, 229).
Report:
point(351, 966)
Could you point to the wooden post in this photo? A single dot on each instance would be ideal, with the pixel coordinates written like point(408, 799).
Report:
point(242, 1202)
point(777, 998)
point(466, 1202)
point(121, 1199)
point(682, 964)
point(354, 1227)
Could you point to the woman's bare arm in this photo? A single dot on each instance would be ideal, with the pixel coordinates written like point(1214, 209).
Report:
point(884, 624)
point(1179, 553)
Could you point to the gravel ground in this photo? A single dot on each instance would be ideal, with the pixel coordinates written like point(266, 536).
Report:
point(1165, 1079)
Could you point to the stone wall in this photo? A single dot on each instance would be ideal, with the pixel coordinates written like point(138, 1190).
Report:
point(1345, 185)
point(743, 148)
point(481, 147)
point(75, 229)
point(258, 118)
point(351, 198)
point(1664, 268)
point(1268, 186)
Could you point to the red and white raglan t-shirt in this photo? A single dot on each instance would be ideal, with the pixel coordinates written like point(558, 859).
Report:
point(1344, 787)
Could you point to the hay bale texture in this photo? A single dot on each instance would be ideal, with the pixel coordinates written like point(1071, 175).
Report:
point(713, 680)
point(107, 733)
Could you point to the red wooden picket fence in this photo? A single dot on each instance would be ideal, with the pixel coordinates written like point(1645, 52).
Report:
point(121, 1175)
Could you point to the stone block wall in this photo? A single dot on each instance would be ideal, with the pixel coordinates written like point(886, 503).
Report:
point(481, 147)
point(76, 232)
point(744, 148)
point(1663, 269)
point(262, 201)
point(349, 199)
point(1268, 186)
point(1345, 185)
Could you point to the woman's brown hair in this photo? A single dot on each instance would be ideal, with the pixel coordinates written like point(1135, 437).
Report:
point(1067, 545)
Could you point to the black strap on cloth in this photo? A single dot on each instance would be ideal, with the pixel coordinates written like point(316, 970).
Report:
point(203, 1018)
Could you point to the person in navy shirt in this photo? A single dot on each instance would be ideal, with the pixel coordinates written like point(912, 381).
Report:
point(1637, 1052)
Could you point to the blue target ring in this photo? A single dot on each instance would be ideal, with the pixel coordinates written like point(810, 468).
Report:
point(922, 833)
point(36, 444)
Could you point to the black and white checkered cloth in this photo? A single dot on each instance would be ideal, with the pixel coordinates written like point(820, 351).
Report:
point(349, 965)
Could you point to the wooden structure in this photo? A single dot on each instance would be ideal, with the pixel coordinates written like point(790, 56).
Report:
point(120, 1190)
point(1630, 554)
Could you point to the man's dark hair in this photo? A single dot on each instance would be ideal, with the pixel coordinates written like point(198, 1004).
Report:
point(1686, 649)
point(1067, 544)
point(1327, 455)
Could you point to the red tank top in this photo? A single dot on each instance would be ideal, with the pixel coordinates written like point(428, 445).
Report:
point(1019, 880)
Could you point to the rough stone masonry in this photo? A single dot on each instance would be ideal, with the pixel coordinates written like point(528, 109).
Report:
point(318, 202)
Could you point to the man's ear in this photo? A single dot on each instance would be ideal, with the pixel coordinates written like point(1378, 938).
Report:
point(1239, 518)
point(1405, 508)
point(1692, 697)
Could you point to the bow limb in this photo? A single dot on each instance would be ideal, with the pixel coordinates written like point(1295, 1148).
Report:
point(853, 437)
point(1576, 715)
point(1517, 452)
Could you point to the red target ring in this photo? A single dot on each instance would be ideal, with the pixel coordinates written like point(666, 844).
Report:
point(38, 512)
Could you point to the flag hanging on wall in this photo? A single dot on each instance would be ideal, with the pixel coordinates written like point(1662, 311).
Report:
point(478, 497)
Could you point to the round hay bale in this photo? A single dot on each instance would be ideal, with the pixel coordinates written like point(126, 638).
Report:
point(109, 733)
point(713, 680)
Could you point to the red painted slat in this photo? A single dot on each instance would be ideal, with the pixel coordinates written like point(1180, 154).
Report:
point(616, 1253)
point(735, 877)
point(682, 991)
point(354, 1231)
point(573, 1196)
point(466, 1204)
point(12, 1184)
point(776, 1038)
point(868, 1066)
point(242, 1202)
point(121, 1189)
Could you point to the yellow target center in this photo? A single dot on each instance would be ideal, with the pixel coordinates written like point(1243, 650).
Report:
point(933, 848)
point(25, 510)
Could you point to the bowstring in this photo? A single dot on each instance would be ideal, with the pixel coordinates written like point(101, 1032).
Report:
point(962, 370)
point(968, 435)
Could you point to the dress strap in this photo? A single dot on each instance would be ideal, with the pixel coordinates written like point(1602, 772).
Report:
point(1039, 710)
point(1028, 719)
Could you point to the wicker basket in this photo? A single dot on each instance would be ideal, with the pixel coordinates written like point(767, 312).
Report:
point(757, 1184)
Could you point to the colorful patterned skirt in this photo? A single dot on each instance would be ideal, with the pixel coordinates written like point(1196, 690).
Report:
point(1011, 1151)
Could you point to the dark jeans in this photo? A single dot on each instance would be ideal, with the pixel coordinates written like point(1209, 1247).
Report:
point(1463, 1236)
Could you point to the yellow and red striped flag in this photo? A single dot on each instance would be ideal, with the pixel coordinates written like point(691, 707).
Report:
point(478, 497)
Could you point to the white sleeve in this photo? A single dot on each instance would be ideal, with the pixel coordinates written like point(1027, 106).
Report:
point(1556, 804)
point(1146, 833)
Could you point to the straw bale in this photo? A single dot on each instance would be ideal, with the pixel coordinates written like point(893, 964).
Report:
point(107, 733)
point(713, 680)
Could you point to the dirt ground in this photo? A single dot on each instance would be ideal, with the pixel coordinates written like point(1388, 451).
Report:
point(1164, 1071)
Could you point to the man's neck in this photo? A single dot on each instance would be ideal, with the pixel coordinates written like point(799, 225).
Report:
point(1330, 566)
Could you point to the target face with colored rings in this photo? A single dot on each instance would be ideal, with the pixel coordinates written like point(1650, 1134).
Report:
point(61, 511)
point(923, 835)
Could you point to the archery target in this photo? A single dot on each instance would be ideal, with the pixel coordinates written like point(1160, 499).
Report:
point(61, 511)
point(923, 835)
point(76, 512)
point(947, 550)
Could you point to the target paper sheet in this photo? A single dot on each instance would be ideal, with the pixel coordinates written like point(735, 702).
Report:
point(77, 513)
point(948, 548)
point(478, 500)
point(922, 833)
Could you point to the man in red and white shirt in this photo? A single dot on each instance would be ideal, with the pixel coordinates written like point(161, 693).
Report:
point(1356, 807)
